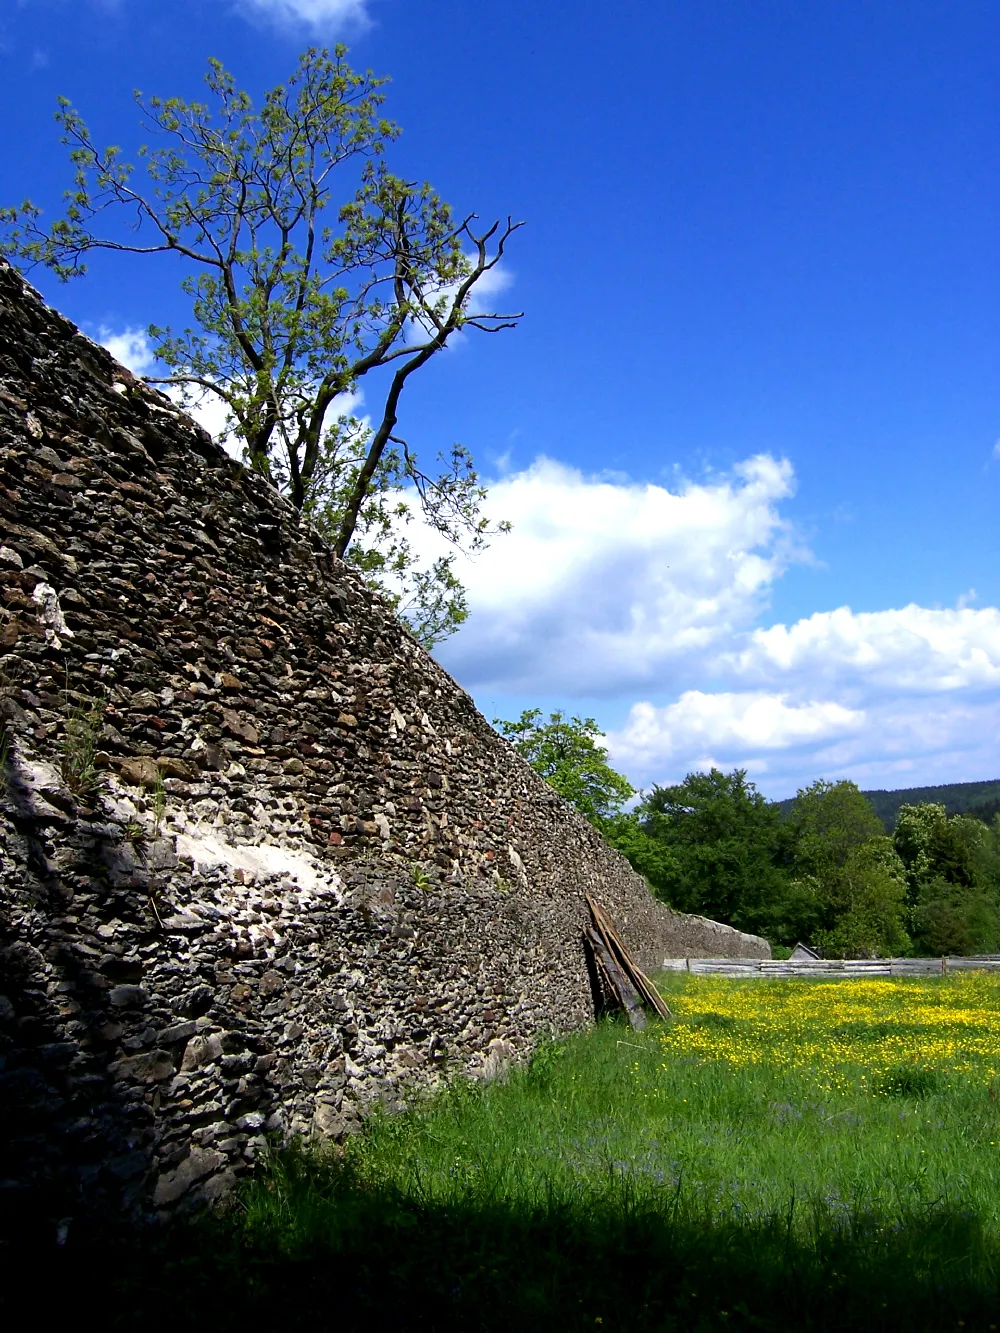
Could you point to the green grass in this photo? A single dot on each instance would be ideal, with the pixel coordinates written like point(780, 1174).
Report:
point(788, 1155)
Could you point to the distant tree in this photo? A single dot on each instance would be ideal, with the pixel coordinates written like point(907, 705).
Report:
point(827, 823)
point(727, 843)
point(830, 820)
point(299, 296)
point(864, 903)
point(931, 846)
point(952, 877)
point(569, 756)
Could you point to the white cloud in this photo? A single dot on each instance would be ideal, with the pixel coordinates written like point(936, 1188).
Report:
point(317, 14)
point(784, 744)
point(704, 729)
point(912, 649)
point(605, 586)
point(888, 698)
point(131, 348)
point(618, 590)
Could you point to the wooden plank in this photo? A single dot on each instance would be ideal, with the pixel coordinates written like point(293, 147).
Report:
point(834, 968)
point(819, 967)
point(628, 964)
point(744, 964)
point(618, 983)
point(721, 969)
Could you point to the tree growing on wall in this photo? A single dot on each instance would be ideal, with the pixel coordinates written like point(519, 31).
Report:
point(312, 271)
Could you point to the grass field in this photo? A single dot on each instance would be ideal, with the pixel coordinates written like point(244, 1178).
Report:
point(785, 1155)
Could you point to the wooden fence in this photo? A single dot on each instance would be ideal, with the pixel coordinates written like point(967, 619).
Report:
point(833, 967)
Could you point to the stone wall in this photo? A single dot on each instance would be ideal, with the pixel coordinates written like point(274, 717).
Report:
point(309, 875)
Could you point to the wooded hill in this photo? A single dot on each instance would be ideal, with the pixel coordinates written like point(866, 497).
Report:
point(981, 799)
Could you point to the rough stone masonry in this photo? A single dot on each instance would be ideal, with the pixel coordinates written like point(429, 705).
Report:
point(308, 875)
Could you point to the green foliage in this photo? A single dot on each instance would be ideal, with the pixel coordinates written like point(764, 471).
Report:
point(78, 751)
point(830, 820)
point(568, 755)
point(865, 903)
point(848, 889)
point(953, 878)
point(979, 799)
point(419, 876)
point(728, 843)
point(310, 268)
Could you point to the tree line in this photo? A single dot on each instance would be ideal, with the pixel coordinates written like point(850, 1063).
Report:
point(821, 868)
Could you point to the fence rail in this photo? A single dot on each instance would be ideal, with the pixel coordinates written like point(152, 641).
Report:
point(833, 967)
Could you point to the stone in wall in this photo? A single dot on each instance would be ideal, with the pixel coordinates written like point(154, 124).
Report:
point(262, 862)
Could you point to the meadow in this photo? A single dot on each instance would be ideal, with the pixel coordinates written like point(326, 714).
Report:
point(783, 1155)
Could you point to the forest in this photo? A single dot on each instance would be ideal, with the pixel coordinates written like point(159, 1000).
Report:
point(981, 799)
point(827, 867)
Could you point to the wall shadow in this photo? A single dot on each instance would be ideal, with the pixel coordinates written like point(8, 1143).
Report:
point(340, 1255)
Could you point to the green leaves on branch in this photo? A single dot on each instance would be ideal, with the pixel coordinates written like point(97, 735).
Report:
point(569, 756)
point(313, 272)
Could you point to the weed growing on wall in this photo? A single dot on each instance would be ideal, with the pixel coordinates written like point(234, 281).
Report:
point(78, 751)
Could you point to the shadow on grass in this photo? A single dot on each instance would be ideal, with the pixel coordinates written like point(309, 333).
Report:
point(330, 1253)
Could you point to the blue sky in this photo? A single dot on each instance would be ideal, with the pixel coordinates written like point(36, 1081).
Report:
point(746, 430)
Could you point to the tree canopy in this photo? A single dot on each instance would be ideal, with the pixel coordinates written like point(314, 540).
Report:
point(311, 271)
point(568, 755)
point(728, 843)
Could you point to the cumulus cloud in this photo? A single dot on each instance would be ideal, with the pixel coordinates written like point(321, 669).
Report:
point(326, 15)
point(912, 649)
point(615, 590)
point(889, 698)
point(705, 726)
point(785, 744)
point(608, 585)
point(130, 347)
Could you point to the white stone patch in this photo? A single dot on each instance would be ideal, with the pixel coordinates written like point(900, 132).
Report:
point(50, 614)
point(203, 847)
point(35, 786)
point(518, 864)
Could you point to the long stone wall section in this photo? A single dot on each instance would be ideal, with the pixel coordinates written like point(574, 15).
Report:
point(311, 876)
